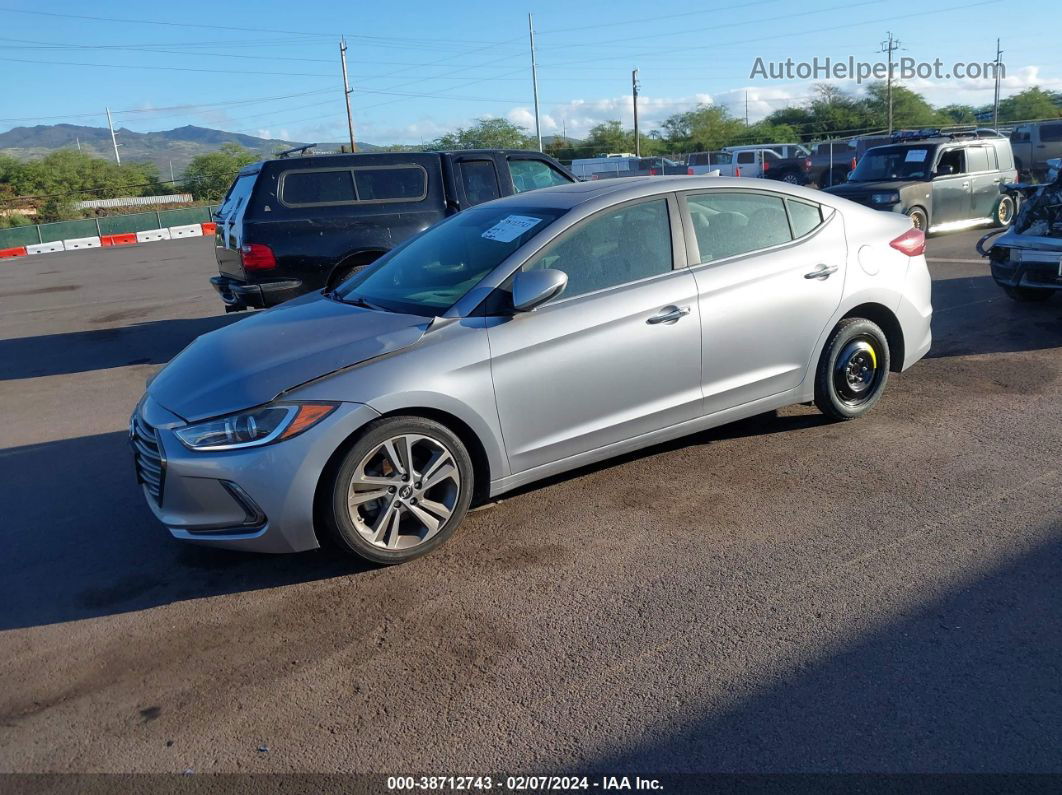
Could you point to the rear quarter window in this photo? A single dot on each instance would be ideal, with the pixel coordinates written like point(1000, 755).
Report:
point(317, 187)
point(408, 183)
point(365, 185)
point(803, 217)
point(1051, 132)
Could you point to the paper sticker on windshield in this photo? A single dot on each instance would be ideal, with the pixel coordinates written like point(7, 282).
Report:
point(915, 156)
point(511, 227)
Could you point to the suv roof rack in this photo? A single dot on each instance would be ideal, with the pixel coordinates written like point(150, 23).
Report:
point(968, 131)
point(295, 149)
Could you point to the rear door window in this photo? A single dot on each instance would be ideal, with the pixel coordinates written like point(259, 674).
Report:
point(479, 180)
point(1051, 132)
point(317, 187)
point(727, 224)
point(803, 216)
point(977, 159)
point(746, 157)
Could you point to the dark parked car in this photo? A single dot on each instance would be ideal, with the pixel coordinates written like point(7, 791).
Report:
point(295, 225)
point(941, 182)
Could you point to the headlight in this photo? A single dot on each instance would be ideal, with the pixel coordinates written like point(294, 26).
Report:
point(254, 427)
point(885, 198)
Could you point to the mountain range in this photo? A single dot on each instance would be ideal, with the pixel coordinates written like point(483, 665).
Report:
point(166, 148)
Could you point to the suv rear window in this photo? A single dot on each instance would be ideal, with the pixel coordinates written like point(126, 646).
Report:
point(301, 187)
point(238, 194)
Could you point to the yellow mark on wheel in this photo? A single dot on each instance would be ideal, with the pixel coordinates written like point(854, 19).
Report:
point(873, 357)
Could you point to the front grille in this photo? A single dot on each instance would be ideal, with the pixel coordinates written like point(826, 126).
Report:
point(147, 455)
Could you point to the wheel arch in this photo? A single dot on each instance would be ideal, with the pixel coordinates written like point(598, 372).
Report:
point(886, 319)
point(364, 256)
point(481, 467)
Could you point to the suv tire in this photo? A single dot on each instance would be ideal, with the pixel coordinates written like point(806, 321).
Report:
point(1004, 213)
point(853, 369)
point(919, 219)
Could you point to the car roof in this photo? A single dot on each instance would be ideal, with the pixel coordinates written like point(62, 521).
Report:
point(620, 189)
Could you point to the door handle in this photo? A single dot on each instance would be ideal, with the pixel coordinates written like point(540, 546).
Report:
point(966, 184)
point(821, 273)
point(669, 314)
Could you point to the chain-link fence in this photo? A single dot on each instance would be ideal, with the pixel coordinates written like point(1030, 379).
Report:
point(107, 225)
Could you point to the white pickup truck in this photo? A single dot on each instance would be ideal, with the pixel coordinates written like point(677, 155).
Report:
point(707, 162)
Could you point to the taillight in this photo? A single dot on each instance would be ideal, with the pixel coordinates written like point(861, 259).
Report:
point(766, 165)
point(257, 257)
point(652, 172)
point(807, 164)
point(689, 171)
point(594, 176)
point(853, 165)
point(912, 243)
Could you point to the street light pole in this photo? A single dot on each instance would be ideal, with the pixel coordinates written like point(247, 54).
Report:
point(534, 79)
point(346, 92)
point(634, 91)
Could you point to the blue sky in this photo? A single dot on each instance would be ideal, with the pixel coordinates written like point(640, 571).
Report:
point(420, 68)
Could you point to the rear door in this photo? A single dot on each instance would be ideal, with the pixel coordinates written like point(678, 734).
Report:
point(477, 180)
point(984, 180)
point(770, 273)
point(229, 218)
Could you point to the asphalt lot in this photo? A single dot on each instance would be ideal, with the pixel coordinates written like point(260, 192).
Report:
point(783, 594)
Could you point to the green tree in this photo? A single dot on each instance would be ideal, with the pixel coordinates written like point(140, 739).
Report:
point(492, 132)
point(960, 114)
point(703, 128)
point(609, 136)
point(909, 108)
point(209, 176)
point(1032, 103)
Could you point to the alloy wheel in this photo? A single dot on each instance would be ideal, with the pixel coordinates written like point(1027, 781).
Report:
point(403, 492)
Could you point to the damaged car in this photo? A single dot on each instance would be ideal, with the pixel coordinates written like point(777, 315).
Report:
point(1026, 259)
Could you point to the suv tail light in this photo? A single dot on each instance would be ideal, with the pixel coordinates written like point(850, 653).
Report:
point(912, 243)
point(853, 165)
point(766, 165)
point(807, 164)
point(257, 257)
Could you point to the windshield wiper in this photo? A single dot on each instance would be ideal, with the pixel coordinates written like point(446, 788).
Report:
point(359, 301)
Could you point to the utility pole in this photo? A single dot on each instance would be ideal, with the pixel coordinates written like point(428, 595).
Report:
point(534, 79)
point(114, 140)
point(346, 92)
point(746, 108)
point(890, 46)
point(995, 102)
point(637, 137)
point(172, 178)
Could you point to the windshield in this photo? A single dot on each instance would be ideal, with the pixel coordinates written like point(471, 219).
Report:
point(894, 162)
point(434, 270)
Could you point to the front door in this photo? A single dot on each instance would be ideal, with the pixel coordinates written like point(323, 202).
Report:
point(617, 355)
point(771, 277)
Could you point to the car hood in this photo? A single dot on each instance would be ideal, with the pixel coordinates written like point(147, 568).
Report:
point(862, 188)
point(251, 362)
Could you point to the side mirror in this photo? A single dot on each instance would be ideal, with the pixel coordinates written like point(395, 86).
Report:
point(944, 171)
point(533, 288)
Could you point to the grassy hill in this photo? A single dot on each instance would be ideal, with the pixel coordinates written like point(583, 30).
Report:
point(178, 146)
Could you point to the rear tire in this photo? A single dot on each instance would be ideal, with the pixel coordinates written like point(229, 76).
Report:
point(401, 490)
point(1004, 213)
point(853, 369)
point(1026, 295)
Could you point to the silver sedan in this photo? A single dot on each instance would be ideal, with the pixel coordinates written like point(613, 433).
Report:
point(519, 339)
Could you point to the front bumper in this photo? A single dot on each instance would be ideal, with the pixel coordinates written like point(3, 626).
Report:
point(1012, 267)
point(259, 295)
point(259, 499)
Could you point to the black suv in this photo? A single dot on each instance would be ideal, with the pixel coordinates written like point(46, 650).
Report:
point(296, 224)
point(940, 181)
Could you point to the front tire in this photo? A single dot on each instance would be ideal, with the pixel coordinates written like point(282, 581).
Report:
point(919, 219)
point(401, 490)
point(853, 369)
